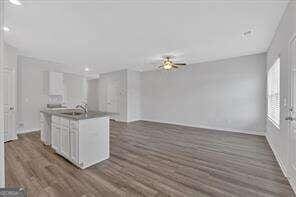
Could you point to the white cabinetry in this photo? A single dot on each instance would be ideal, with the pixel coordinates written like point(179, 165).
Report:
point(56, 133)
point(60, 135)
point(55, 137)
point(65, 141)
point(74, 141)
point(55, 83)
point(82, 142)
point(45, 123)
point(65, 138)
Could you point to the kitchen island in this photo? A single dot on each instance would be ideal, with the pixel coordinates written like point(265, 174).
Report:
point(82, 138)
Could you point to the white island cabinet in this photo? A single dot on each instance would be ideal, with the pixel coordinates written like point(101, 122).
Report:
point(83, 142)
point(45, 124)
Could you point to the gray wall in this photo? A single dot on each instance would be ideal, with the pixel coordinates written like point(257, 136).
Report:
point(92, 94)
point(278, 138)
point(31, 92)
point(128, 94)
point(31, 95)
point(114, 77)
point(75, 89)
point(133, 95)
point(227, 94)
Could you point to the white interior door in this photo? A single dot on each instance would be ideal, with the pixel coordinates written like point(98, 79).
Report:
point(9, 104)
point(112, 98)
point(292, 117)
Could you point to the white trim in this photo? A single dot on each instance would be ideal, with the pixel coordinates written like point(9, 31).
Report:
point(132, 120)
point(293, 184)
point(244, 131)
point(281, 163)
point(292, 180)
point(273, 122)
point(277, 156)
point(20, 131)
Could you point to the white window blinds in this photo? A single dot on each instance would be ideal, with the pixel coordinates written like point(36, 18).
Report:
point(273, 93)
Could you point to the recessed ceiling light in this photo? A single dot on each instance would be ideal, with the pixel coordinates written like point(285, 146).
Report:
point(6, 29)
point(15, 2)
point(248, 33)
point(86, 69)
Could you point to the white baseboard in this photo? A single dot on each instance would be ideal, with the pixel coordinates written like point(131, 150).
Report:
point(293, 184)
point(277, 156)
point(260, 133)
point(281, 163)
point(244, 131)
point(20, 131)
point(128, 121)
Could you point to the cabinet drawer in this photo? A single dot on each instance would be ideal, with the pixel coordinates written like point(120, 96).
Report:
point(74, 125)
point(65, 122)
point(56, 120)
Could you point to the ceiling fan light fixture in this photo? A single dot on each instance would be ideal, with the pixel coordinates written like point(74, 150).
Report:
point(7, 29)
point(167, 65)
point(15, 2)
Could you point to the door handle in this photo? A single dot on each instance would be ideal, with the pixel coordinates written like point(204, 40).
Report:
point(290, 118)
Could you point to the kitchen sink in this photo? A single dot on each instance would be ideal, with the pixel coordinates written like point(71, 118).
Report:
point(72, 113)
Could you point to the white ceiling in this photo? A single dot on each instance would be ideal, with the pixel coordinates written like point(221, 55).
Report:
point(107, 36)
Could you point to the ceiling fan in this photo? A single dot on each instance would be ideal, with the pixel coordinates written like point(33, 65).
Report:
point(168, 63)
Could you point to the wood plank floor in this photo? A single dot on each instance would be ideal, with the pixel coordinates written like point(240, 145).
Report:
point(152, 159)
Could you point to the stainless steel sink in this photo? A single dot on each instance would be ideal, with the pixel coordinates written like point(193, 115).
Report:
point(72, 113)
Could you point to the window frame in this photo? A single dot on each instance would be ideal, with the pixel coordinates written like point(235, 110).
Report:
point(274, 122)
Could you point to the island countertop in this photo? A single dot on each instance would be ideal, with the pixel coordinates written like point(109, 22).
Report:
point(83, 116)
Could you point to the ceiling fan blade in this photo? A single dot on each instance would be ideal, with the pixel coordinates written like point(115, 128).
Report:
point(160, 66)
point(180, 64)
point(174, 66)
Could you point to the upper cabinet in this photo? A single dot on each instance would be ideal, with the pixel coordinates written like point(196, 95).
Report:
point(54, 83)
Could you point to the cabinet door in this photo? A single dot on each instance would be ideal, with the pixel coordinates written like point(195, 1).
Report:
point(42, 127)
point(56, 85)
point(65, 142)
point(74, 145)
point(42, 135)
point(55, 132)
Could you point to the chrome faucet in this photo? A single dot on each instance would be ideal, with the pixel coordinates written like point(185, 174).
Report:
point(83, 107)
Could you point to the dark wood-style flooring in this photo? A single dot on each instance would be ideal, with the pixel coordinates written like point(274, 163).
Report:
point(152, 159)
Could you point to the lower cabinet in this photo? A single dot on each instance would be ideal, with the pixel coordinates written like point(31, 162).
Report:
point(45, 125)
point(74, 145)
point(65, 138)
point(55, 137)
point(83, 142)
point(65, 142)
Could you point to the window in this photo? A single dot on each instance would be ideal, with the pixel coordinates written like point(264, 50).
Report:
point(273, 93)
